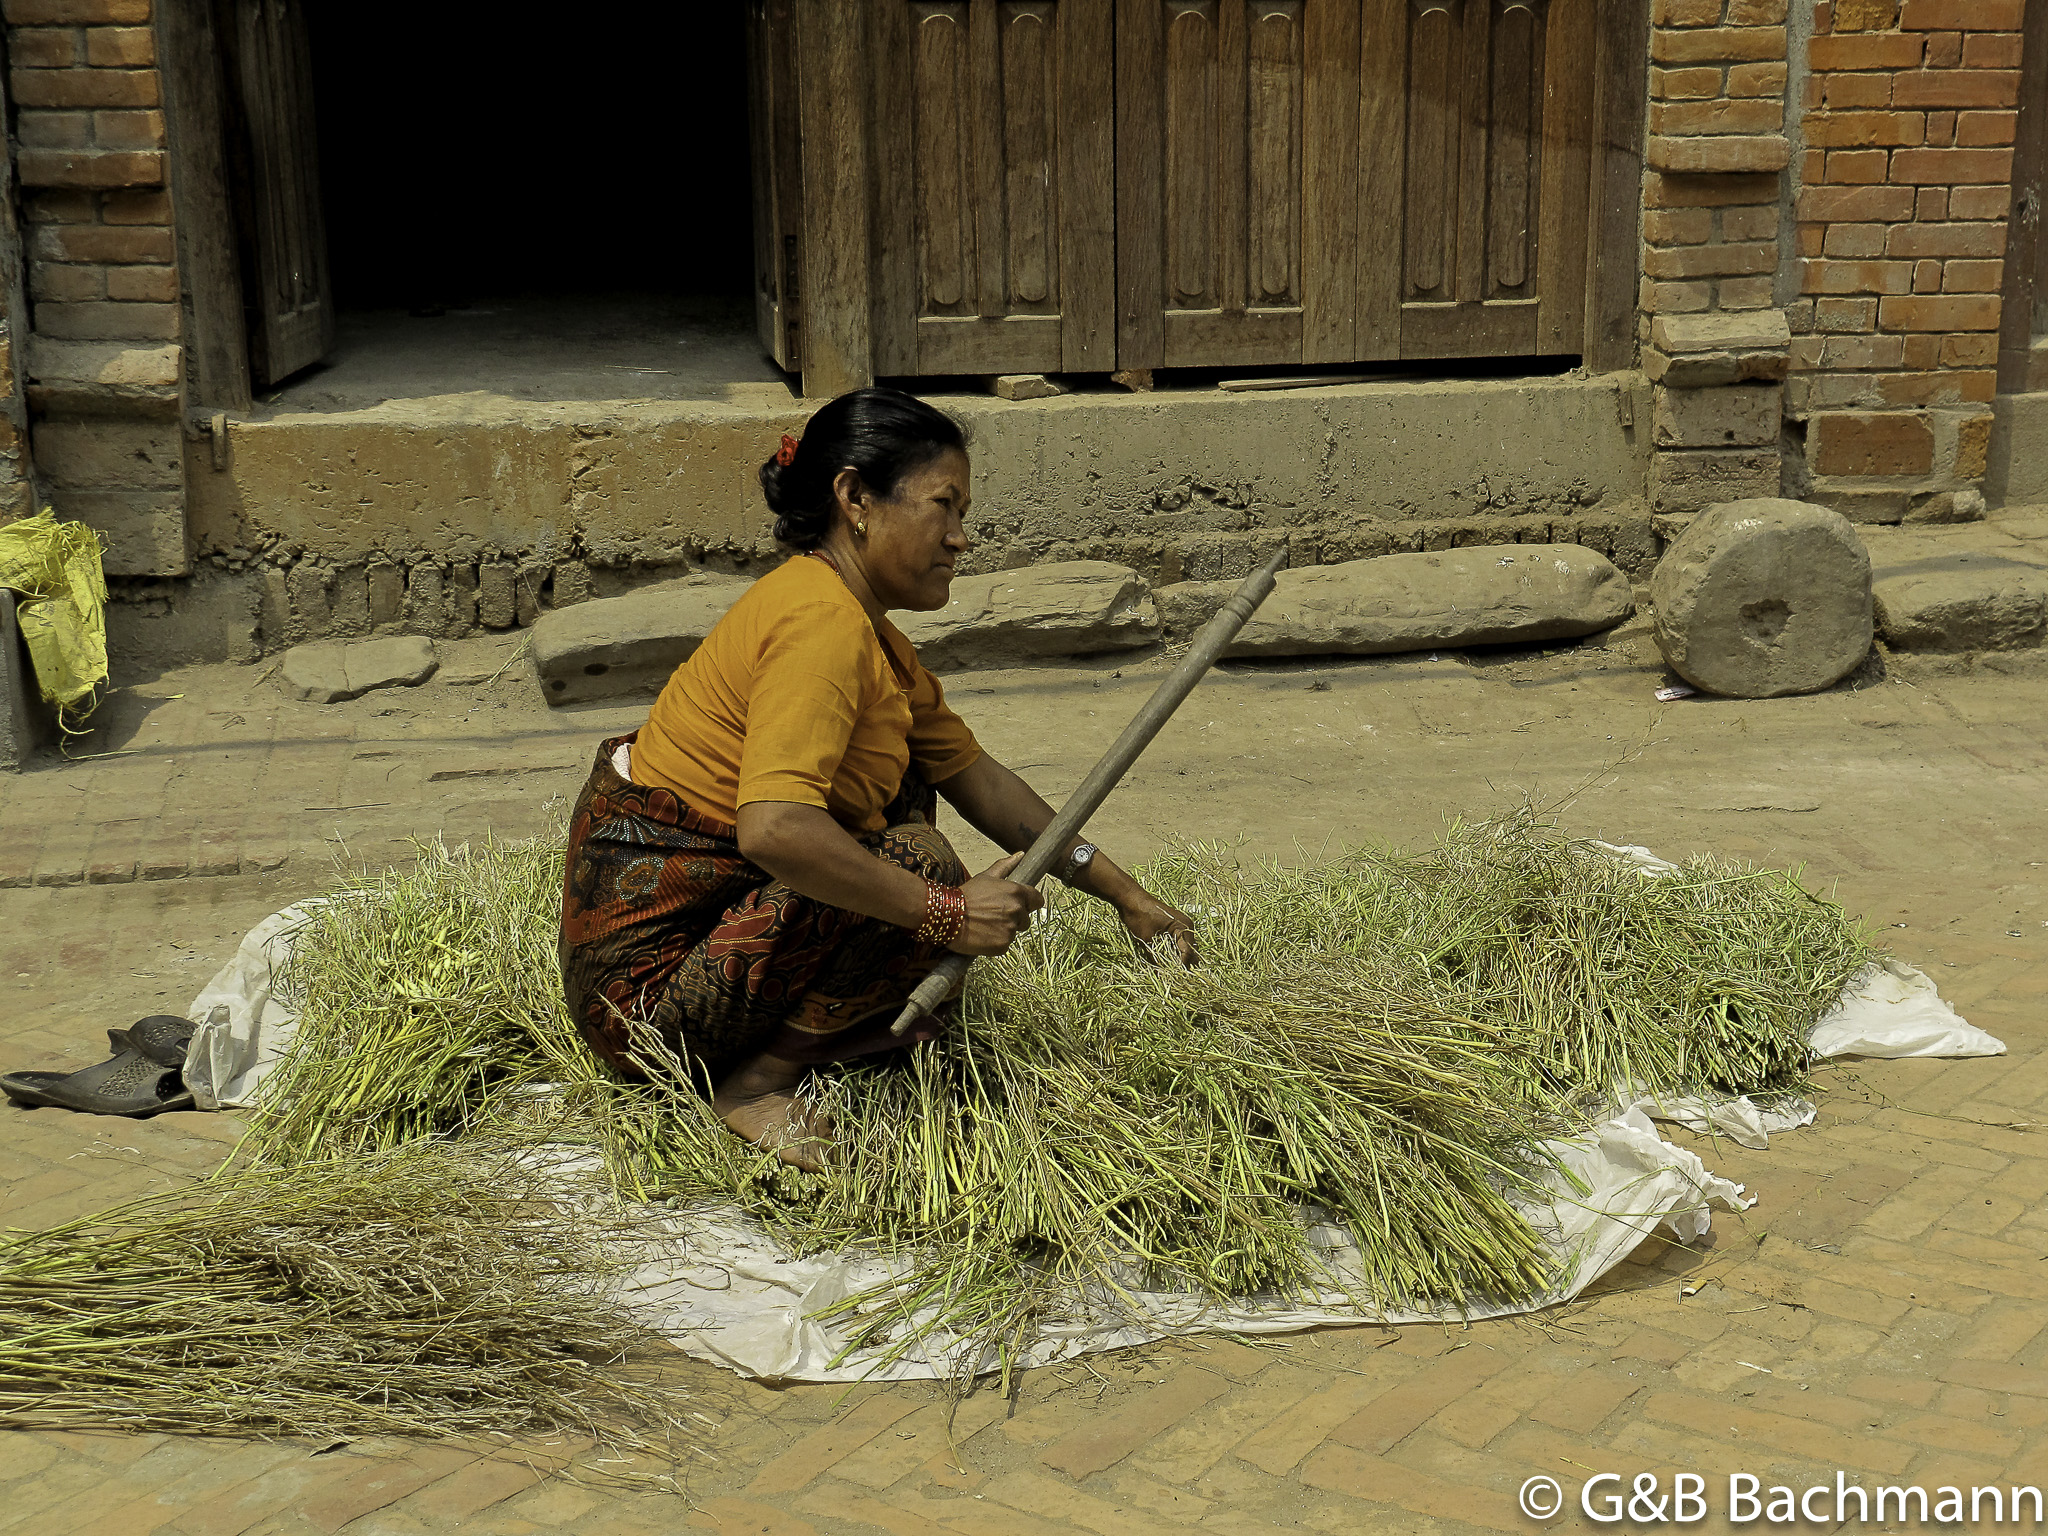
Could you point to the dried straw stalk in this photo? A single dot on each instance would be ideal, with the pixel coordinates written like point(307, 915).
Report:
point(426, 1290)
point(1382, 1040)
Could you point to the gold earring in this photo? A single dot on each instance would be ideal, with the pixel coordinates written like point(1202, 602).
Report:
point(861, 527)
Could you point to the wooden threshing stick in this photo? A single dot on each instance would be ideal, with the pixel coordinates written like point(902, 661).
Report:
point(1037, 863)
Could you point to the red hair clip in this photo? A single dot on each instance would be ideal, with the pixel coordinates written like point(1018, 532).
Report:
point(787, 452)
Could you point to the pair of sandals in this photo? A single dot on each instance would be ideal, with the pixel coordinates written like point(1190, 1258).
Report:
point(143, 1077)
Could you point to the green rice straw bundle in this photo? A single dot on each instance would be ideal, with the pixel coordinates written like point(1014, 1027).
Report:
point(1703, 980)
point(1097, 1124)
point(427, 1290)
point(427, 997)
point(1383, 1040)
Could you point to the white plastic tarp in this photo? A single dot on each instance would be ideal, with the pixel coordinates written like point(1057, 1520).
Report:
point(724, 1291)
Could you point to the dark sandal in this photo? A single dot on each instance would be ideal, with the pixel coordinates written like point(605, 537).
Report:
point(141, 1077)
point(127, 1084)
point(162, 1037)
point(26, 1088)
point(140, 1088)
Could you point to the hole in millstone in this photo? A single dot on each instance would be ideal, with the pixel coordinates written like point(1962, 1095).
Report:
point(558, 685)
point(1765, 620)
point(597, 669)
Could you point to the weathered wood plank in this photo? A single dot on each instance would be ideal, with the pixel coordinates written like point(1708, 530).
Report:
point(1383, 158)
point(1140, 249)
point(209, 265)
point(1232, 338)
point(971, 344)
point(1087, 190)
point(832, 62)
point(1564, 203)
point(1518, 124)
point(1232, 232)
point(893, 170)
point(1475, 50)
point(982, 111)
point(941, 148)
point(1331, 209)
point(275, 167)
point(1505, 329)
point(1432, 180)
point(782, 281)
point(1029, 93)
point(1622, 30)
point(1273, 118)
point(1190, 135)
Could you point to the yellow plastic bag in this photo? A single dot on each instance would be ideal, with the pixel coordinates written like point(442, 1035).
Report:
point(62, 606)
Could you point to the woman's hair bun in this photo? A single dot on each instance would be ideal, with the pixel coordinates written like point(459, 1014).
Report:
point(772, 487)
point(880, 434)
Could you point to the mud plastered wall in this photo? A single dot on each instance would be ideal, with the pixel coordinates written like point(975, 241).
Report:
point(486, 514)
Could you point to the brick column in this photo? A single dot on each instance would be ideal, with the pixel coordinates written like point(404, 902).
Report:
point(1715, 346)
point(103, 363)
point(1906, 190)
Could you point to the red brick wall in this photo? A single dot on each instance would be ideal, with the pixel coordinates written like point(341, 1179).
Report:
point(1905, 192)
point(1713, 197)
point(102, 362)
point(1716, 148)
point(90, 130)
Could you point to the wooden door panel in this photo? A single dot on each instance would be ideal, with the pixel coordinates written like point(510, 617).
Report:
point(1349, 180)
point(993, 217)
point(1087, 184)
point(1219, 100)
point(1383, 152)
point(1505, 329)
point(778, 179)
point(1273, 115)
point(275, 168)
point(1496, 161)
point(1567, 148)
point(1514, 161)
point(1331, 225)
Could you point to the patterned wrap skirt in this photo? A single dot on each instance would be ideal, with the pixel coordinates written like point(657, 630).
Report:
point(667, 926)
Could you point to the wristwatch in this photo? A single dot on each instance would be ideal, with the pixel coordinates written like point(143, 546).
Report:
point(1078, 861)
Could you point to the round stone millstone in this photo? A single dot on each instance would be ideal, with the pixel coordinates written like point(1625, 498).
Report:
point(1762, 598)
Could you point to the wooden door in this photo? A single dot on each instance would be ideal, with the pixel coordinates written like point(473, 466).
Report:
point(2023, 329)
point(778, 179)
point(992, 160)
point(1489, 171)
point(273, 163)
point(1317, 181)
point(1230, 119)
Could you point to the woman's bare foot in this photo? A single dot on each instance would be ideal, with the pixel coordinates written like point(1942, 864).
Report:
point(758, 1103)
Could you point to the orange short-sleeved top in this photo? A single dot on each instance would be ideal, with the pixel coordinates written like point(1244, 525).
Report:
point(792, 697)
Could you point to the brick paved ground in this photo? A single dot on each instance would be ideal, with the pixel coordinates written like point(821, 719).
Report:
point(1881, 1311)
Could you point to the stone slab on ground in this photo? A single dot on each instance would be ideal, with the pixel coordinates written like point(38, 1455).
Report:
point(630, 644)
point(331, 671)
point(1484, 594)
point(1070, 608)
point(1761, 598)
point(24, 719)
point(1976, 587)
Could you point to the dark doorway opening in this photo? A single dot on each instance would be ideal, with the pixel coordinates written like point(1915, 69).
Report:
point(465, 157)
point(559, 212)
